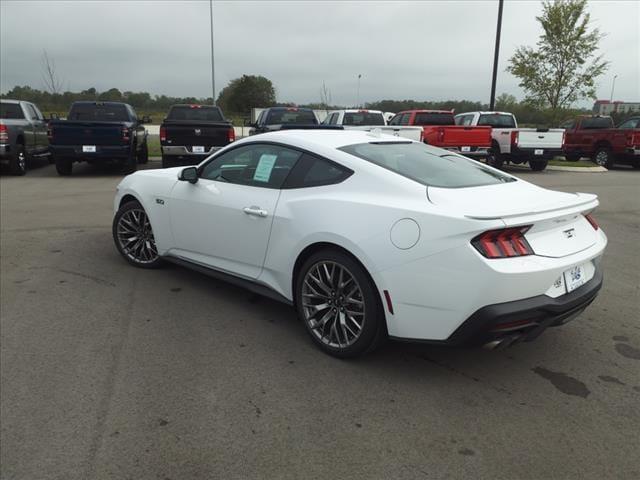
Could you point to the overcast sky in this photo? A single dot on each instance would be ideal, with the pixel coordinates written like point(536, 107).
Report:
point(431, 50)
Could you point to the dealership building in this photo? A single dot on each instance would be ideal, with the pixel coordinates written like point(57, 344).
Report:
point(606, 107)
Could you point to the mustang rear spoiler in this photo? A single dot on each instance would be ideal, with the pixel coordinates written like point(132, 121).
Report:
point(310, 126)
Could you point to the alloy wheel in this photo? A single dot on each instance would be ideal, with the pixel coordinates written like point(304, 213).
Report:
point(135, 236)
point(602, 158)
point(22, 160)
point(333, 304)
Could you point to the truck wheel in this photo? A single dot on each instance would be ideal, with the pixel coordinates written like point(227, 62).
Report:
point(143, 156)
point(64, 166)
point(495, 159)
point(636, 164)
point(167, 162)
point(572, 157)
point(538, 165)
point(603, 157)
point(131, 163)
point(18, 164)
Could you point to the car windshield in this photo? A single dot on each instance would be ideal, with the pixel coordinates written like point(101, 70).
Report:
point(363, 118)
point(195, 113)
point(291, 116)
point(417, 162)
point(443, 118)
point(497, 120)
point(11, 111)
point(97, 112)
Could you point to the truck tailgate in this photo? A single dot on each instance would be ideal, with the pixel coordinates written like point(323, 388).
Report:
point(87, 133)
point(464, 136)
point(201, 134)
point(540, 138)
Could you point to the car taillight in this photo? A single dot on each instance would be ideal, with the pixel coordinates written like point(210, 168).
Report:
point(125, 134)
point(231, 135)
point(163, 134)
point(514, 137)
point(564, 138)
point(440, 134)
point(503, 243)
point(592, 221)
point(4, 133)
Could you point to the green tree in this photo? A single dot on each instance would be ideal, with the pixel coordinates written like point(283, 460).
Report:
point(241, 94)
point(564, 66)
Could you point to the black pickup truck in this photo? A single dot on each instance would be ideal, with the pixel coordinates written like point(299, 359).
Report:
point(97, 133)
point(190, 133)
point(282, 118)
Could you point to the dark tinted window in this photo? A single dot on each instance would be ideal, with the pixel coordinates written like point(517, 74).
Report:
point(312, 171)
point(195, 113)
point(256, 165)
point(363, 118)
point(434, 119)
point(98, 112)
point(497, 120)
point(404, 119)
point(631, 123)
point(416, 161)
point(595, 123)
point(291, 116)
point(395, 120)
point(569, 124)
point(11, 111)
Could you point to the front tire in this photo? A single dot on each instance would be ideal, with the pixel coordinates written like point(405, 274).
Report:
point(133, 236)
point(167, 162)
point(538, 165)
point(495, 159)
point(572, 157)
point(603, 158)
point(18, 164)
point(64, 166)
point(339, 305)
point(143, 156)
point(131, 163)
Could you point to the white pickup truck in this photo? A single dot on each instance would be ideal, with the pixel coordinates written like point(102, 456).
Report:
point(516, 145)
point(359, 119)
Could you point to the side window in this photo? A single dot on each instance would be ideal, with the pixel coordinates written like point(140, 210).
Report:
point(334, 119)
point(255, 165)
point(312, 171)
point(260, 117)
point(395, 120)
point(633, 123)
point(569, 124)
point(38, 112)
point(134, 115)
point(404, 120)
point(31, 111)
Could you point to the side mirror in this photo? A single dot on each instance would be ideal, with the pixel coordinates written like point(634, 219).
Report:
point(189, 174)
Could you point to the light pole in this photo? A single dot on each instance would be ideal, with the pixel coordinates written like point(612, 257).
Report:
point(213, 77)
point(492, 101)
point(613, 86)
point(358, 92)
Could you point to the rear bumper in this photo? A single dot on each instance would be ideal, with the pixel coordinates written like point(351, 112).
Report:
point(530, 153)
point(473, 152)
point(525, 320)
point(102, 153)
point(185, 152)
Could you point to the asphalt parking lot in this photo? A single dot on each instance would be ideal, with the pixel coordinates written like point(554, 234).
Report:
point(112, 372)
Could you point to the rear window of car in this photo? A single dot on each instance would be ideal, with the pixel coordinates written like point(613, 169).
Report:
point(415, 161)
point(596, 123)
point(99, 113)
point(195, 113)
point(497, 120)
point(293, 116)
point(434, 119)
point(11, 111)
point(363, 118)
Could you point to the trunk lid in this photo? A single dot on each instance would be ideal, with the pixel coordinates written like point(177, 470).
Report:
point(559, 227)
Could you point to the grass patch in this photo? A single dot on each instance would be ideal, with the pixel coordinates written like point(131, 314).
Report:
point(153, 142)
point(557, 162)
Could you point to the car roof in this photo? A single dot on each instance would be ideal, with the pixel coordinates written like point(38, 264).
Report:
point(8, 100)
point(424, 111)
point(302, 109)
point(486, 112)
point(97, 102)
point(325, 138)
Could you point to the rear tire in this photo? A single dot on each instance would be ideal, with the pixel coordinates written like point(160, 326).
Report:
point(18, 163)
point(143, 156)
point(64, 166)
point(538, 165)
point(167, 162)
point(133, 236)
point(495, 159)
point(636, 164)
point(349, 320)
point(603, 158)
point(572, 157)
point(131, 163)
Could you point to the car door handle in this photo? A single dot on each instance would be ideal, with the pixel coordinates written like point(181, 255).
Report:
point(257, 211)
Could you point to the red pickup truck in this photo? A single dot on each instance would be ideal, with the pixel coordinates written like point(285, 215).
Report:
point(440, 130)
point(595, 136)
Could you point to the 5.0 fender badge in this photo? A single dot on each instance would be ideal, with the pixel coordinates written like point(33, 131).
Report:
point(159, 201)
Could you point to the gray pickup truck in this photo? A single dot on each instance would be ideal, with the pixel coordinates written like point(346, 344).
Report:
point(23, 135)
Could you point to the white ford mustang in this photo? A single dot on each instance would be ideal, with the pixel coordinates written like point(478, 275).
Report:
point(371, 236)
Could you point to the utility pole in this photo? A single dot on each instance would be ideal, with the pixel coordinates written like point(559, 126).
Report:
point(358, 92)
point(492, 102)
point(213, 77)
point(613, 86)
